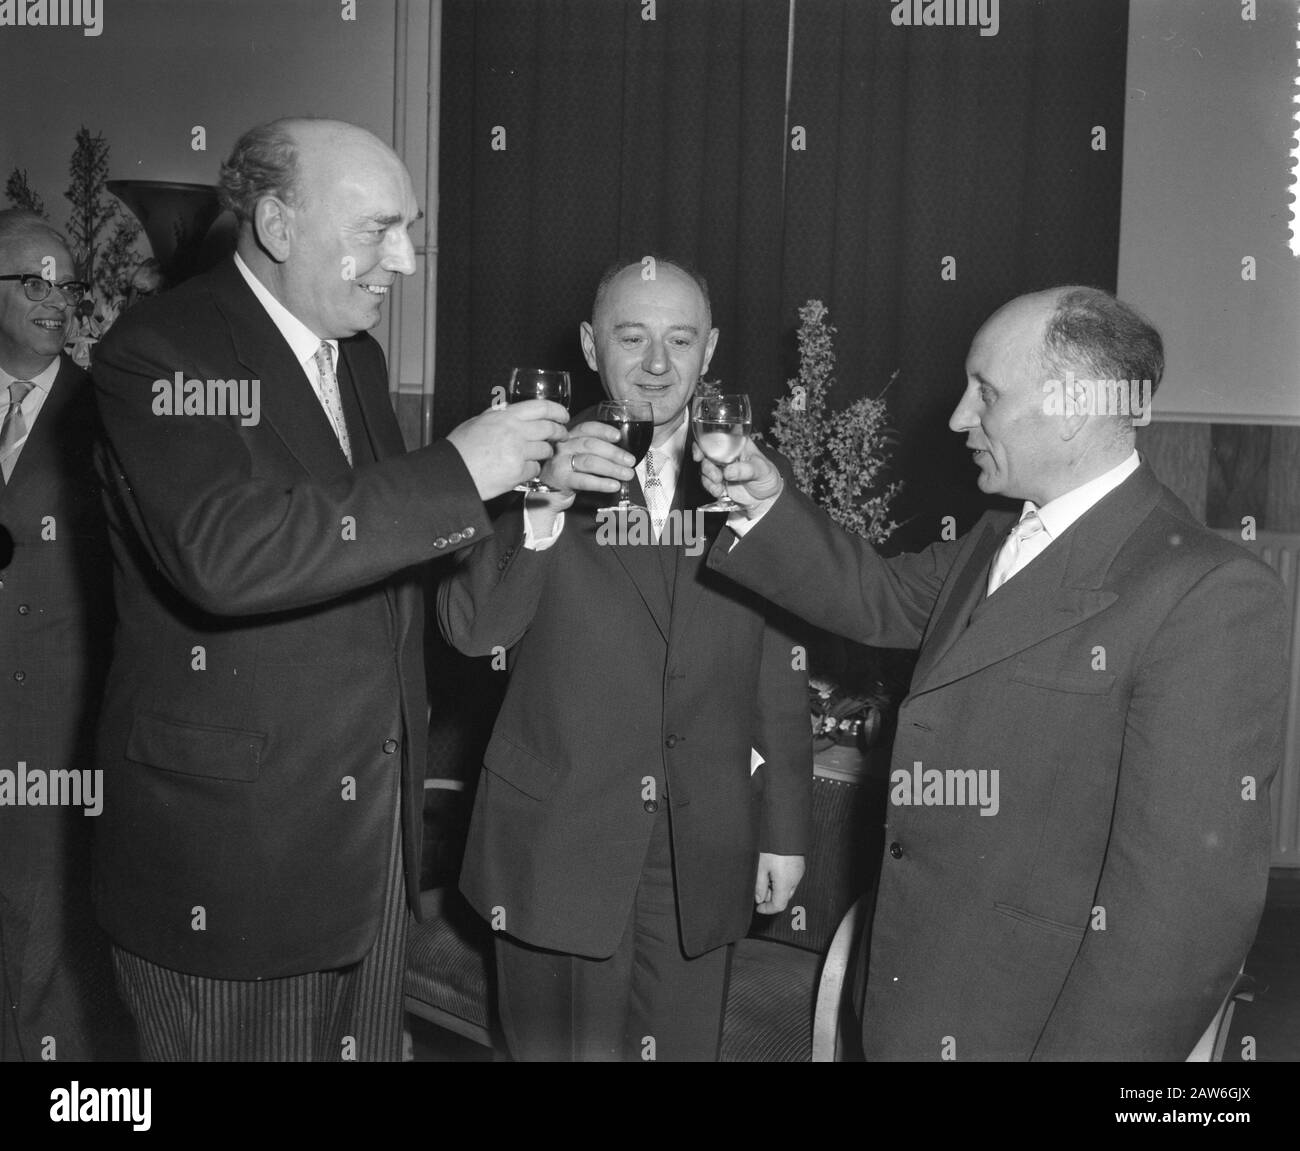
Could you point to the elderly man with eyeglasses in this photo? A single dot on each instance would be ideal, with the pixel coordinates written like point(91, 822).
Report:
point(56, 619)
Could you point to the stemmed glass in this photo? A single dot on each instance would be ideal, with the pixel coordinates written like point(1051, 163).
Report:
point(634, 420)
point(538, 384)
point(721, 424)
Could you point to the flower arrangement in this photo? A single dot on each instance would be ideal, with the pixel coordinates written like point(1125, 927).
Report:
point(838, 458)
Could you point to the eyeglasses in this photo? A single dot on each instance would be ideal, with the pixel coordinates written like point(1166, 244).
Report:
point(38, 288)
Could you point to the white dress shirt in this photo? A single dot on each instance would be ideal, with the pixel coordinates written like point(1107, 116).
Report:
point(302, 341)
point(668, 461)
point(1058, 514)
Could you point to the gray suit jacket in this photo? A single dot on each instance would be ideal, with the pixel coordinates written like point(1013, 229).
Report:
point(1127, 690)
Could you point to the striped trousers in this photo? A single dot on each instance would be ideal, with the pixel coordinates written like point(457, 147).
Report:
point(350, 1013)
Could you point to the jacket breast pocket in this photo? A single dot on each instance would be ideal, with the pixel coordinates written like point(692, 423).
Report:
point(1080, 683)
point(521, 769)
point(192, 749)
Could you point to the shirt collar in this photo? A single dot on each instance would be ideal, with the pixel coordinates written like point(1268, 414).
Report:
point(44, 379)
point(1058, 514)
point(300, 338)
point(669, 456)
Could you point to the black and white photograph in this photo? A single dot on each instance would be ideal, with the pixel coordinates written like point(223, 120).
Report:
point(650, 531)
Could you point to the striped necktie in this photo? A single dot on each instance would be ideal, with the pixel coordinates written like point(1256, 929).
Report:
point(330, 398)
point(14, 429)
point(655, 498)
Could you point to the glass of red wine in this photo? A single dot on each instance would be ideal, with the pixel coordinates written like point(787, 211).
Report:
point(721, 424)
point(538, 384)
point(634, 420)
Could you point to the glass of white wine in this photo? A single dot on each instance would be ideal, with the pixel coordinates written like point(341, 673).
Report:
point(538, 384)
point(721, 425)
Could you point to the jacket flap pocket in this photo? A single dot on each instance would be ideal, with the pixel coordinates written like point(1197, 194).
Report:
point(519, 768)
point(1083, 683)
point(191, 749)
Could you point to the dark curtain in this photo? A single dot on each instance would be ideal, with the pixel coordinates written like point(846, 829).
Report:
point(924, 143)
point(625, 135)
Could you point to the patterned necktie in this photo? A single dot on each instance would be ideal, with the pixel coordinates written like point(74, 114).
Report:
point(14, 428)
point(330, 398)
point(655, 500)
point(1026, 540)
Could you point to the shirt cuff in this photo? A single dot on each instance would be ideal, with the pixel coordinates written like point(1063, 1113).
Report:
point(531, 542)
point(741, 522)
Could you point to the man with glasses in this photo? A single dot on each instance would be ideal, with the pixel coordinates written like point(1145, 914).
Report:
point(55, 627)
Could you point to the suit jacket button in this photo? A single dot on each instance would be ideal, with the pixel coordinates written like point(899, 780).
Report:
point(651, 805)
point(468, 533)
point(896, 850)
point(671, 741)
point(455, 537)
point(440, 542)
point(20, 676)
point(23, 609)
point(390, 746)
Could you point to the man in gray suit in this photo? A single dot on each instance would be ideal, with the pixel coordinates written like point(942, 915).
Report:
point(1078, 828)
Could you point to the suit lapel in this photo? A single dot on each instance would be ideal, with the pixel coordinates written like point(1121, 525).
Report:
point(289, 405)
point(639, 561)
point(690, 574)
point(1060, 590)
point(960, 596)
point(41, 448)
point(379, 423)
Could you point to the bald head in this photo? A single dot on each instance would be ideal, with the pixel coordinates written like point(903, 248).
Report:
point(1053, 382)
point(651, 338)
point(324, 210)
point(284, 157)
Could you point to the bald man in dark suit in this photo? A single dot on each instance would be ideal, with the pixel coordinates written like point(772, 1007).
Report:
point(1078, 830)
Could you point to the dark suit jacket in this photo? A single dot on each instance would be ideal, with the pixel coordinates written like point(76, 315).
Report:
point(56, 624)
point(1122, 685)
point(267, 692)
point(635, 673)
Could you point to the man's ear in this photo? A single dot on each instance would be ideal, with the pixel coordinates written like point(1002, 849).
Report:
point(587, 338)
point(1079, 404)
point(273, 226)
point(708, 349)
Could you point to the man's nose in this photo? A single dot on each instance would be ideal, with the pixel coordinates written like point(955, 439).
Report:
point(400, 256)
point(963, 417)
point(656, 358)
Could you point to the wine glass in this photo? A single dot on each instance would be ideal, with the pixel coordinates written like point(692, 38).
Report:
point(634, 420)
point(538, 384)
point(721, 424)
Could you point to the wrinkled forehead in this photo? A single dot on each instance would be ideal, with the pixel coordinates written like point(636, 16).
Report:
point(30, 253)
point(671, 297)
